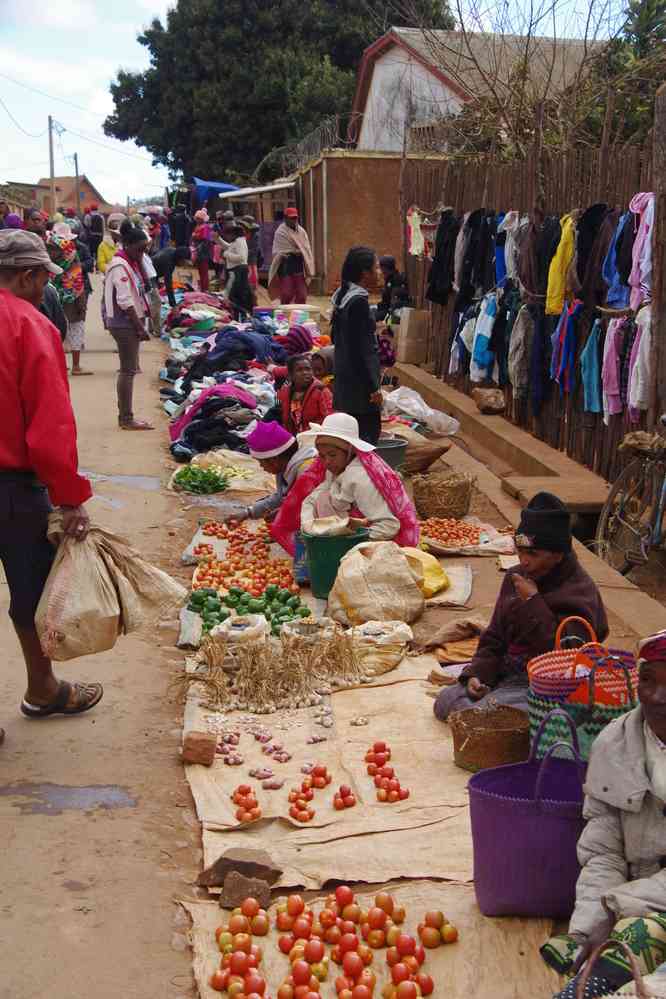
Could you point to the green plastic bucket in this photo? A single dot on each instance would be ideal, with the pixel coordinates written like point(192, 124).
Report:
point(392, 449)
point(325, 555)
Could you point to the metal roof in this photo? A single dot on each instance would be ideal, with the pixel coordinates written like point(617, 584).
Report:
point(247, 192)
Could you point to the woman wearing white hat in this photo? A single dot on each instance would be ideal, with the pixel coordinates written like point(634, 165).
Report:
point(356, 482)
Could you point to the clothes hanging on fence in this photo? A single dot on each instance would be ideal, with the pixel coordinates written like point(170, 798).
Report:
point(558, 271)
point(537, 248)
point(617, 296)
point(626, 351)
point(564, 346)
point(509, 226)
point(640, 279)
point(441, 276)
point(520, 346)
point(477, 273)
point(540, 358)
point(587, 283)
point(483, 359)
point(610, 369)
point(507, 310)
point(459, 253)
point(639, 381)
point(415, 239)
point(590, 367)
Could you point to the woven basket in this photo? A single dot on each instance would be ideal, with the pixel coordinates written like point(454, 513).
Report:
point(443, 494)
point(490, 737)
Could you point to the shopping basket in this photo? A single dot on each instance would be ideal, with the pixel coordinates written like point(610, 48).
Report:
point(526, 819)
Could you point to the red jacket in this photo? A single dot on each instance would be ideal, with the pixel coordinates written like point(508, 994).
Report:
point(38, 428)
point(316, 404)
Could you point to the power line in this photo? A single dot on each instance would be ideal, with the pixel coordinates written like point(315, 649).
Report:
point(52, 97)
point(19, 126)
point(105, 145)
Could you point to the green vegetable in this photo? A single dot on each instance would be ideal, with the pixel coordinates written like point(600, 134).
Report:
point(283, 596)
point(256, 606)
point(246, 597)
point(272, 591)
point(193, 479)
point(212, 603)
point(304, 612)
point(231, 600)
point(235, 591)
point(293, 602)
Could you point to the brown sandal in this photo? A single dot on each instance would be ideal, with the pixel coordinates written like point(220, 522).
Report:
point(86, 696)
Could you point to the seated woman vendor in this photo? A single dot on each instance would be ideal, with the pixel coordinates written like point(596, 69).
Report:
point(356, 482)
point(621, 889)
point(280, 455)
point(549, 585)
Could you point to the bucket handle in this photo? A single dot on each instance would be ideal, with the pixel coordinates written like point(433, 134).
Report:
point(539, 732)
point(641, 990)
point(577, 758)
point(562, 625)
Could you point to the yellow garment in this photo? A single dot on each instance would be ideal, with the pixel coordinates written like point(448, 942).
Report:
point(559, 266)
point(428, 573)
point(105, 254)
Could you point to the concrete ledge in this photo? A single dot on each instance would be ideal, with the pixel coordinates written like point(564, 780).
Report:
point(536, 466)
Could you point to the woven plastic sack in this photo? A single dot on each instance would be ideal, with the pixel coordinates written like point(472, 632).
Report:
point(375, 583)
point(97, 589)
point(428, 573)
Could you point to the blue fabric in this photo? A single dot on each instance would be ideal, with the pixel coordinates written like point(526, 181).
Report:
point(618, 293)
point(205, 189)
point(569, 343)
point(591, 371)
point(500, 259)
point(482, 355)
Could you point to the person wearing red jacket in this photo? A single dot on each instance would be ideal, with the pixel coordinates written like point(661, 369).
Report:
point(38, 462)
point(303, 399)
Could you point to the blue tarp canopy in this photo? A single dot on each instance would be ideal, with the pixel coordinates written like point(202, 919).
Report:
point(206, 189)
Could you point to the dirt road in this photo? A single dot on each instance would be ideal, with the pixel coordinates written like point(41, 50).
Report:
point(98, 834)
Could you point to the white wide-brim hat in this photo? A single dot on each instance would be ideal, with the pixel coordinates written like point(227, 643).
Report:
point(339, 426)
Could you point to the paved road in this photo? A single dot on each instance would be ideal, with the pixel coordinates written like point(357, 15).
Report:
point(98, 832)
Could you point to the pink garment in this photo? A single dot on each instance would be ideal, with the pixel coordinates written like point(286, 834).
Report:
point(640, 279)
point(201, 298)
point(177, 426)
point(610, 370)
point(634, 414)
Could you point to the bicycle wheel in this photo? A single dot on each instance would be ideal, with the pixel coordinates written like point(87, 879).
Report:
point(624, 531)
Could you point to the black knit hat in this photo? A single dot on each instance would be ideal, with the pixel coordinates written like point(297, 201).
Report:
point(545, 523)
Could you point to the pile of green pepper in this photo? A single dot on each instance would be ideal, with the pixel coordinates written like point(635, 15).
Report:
point(277, 605)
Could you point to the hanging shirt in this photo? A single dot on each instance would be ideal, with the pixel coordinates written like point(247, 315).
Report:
point(610, 370)
point(618, 293)
point(559, 266)
point(483, 359)
point(639, 379)
point(640, 279)
point(591, 371)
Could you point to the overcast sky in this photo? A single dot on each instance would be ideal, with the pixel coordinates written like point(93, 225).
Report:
point(72, 49)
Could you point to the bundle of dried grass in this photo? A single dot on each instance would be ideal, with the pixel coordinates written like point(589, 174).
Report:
point(212, 681)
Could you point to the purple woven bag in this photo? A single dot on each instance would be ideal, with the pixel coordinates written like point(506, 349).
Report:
point(526, 820)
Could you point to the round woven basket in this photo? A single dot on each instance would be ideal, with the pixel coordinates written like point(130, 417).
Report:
point(443, 494)
point(489, 737)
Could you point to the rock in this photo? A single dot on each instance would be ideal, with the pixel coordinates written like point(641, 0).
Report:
point(199, 747)
point(251, 863)
point(489, 400)
point(237, 887)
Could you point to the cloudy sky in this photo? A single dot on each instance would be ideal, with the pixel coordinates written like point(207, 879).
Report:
point(70, 50)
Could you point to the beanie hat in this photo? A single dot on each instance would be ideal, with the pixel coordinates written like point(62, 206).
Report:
point(298, 340)
point(268, 440)
point(652, 649)
point(545, 523)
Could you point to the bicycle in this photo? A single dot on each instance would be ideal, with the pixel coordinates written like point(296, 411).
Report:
point(631, 523)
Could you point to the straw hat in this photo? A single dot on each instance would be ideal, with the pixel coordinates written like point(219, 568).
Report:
point(337, 426)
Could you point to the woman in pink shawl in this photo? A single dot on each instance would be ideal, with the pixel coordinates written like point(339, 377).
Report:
point(347, 480)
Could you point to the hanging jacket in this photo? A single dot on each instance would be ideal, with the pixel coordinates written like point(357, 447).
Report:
point(559, 266)
point(518, 363)
point(639, 377)
point(618, 291)
point(483, 359)
point(537, 248)
point(592, 244)
point(610, 369)
point(440, 280)
point(640, 279)
point(591, 371)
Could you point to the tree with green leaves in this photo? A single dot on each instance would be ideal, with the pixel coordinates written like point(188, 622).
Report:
point(229, 80)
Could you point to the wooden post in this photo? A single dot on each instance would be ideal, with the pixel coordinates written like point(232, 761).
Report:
point(539, 200)
point(602, 177)
point(658, 393)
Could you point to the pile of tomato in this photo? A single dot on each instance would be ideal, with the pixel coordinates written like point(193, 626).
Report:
point(450, 532)
point(246, 565)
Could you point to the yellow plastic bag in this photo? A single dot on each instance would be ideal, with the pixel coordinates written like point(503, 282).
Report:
point(428, 573)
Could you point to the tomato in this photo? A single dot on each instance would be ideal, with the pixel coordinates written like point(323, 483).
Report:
point(333, 935)
point(382, 794)
point(238, 964)
point(327, 918)
point(412, 963)
point(386, 771)
point(302, 929)
point(403, 793)
point(295, 905)
point(365, 954)
point(376, 939)
point(314, 951)
point(255, 983)
point(242, 941)
point(449, 933)
point(361, 992)
point(393, 796)
point(352, 964)
point(239, 924)
point(406, 944)
point(348, 941)
point(218, 981)
point(430, 937)
point(349, 801)
point(406, 990)
point(377, 918)
point(284, 922)
point(399, 912)
point(300, 971)
point(392, 956)
point(425, 983)
point(342, 983)
point(400, 973)
point(352, 913)
point(260, 924)
point(338, 803)
point(344, 895)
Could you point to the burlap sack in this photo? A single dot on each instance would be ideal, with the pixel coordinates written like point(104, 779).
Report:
point(381, 645)
point(97, 589)
point(375, 583)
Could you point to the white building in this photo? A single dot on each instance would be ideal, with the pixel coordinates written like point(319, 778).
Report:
point(413, 76)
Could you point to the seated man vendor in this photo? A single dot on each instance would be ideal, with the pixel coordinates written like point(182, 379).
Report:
point(621, 889)
point(548, 586)
point(280, 455)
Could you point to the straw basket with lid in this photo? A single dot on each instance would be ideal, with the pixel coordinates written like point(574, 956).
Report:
point(489, 736)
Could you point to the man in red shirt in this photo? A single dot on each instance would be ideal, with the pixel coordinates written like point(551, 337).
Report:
point(38, 461)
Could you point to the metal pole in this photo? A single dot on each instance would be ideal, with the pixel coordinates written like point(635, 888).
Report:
point(52, 173)
point(77, 189)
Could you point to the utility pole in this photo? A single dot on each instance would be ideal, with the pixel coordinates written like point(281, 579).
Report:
point(52, 174)
point(77, 189)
